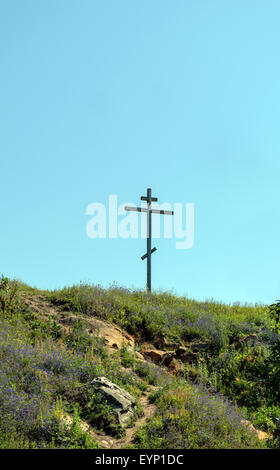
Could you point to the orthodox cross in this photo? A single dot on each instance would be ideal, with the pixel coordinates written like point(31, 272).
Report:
point(149, 199)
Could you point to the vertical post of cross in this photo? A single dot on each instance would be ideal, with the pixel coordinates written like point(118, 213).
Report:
point(149, 237)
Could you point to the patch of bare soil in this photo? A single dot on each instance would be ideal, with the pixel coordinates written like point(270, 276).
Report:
point(115, 337)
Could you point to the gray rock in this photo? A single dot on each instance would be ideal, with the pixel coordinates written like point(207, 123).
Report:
point(123, 404)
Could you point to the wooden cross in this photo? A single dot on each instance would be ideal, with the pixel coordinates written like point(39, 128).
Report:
point(149, 212)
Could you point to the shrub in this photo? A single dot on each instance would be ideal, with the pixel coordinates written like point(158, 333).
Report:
point(9, 299)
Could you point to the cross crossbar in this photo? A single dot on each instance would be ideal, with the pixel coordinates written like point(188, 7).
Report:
point(144, 209)
point(136, 209)
point(149, 211)
point(145, 198)
point(159, 211)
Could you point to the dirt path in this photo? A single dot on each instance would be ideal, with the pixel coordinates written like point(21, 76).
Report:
point(149, 410)
point(110, 442)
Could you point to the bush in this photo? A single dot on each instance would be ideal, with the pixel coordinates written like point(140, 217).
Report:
point(9, 299)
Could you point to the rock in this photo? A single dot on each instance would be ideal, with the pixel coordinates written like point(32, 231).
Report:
point(159, 357)
point(261, 434)
point(116, 338)
point(123, 404)
point(155, 355)
point(162, 357)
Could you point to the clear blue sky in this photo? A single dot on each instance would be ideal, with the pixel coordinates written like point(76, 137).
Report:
point(111, 97)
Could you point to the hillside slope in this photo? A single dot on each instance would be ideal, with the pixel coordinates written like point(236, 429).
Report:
point(167, 352)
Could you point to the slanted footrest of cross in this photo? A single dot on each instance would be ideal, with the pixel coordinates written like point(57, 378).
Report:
point(145, 256)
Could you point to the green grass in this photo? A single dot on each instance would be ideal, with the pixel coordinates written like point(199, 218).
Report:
point(50, 372)
point(147, 315)
point(189, 417)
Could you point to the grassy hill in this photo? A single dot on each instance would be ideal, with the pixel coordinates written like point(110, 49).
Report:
point(222, 376)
